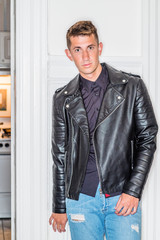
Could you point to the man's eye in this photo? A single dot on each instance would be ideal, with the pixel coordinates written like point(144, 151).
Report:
point(91, 48)
point(77, 50)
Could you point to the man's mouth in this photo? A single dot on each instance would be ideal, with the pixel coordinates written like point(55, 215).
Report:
point(86, 65)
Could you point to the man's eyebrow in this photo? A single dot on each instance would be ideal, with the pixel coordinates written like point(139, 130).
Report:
point(91, 45)
point(76, 47)
point(87, 46)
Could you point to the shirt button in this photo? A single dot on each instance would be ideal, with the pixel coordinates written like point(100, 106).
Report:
point(65, 92)
point(67, 106)
point(119, 97)
point(124, 80)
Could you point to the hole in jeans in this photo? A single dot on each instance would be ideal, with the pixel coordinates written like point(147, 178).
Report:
point(77, 217)
point(135, 227)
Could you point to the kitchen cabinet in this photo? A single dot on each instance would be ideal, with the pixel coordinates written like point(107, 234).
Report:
point(4, 49)
point(5, 15)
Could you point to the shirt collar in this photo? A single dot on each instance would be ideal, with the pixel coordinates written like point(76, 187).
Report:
point(101, 81)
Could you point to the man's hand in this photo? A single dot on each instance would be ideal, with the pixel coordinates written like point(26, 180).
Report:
point(58, 221)
point(126, 205)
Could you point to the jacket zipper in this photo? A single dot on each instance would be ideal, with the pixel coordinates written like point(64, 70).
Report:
point(70, 179)
point(69, 184)
point(85, 169)
point(132, 152)
point(65, 165)
point(98, 169)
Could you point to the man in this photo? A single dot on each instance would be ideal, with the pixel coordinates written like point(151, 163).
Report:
point(103, 141)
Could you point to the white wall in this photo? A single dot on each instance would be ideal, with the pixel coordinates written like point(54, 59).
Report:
point(113, 18)
point(130, 32)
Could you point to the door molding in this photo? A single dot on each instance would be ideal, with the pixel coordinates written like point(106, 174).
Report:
point(31, 119)
point(13, 121)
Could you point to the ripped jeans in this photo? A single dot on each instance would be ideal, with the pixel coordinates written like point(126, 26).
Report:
point(92, 218)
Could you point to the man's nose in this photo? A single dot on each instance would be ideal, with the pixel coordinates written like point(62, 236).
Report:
point(85, 55)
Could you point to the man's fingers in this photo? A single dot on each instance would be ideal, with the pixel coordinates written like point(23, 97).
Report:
point(121, 211)
point(50, 220)
point(134, 210)
point(118, 210)
point(125, 211)
point(54, 226)
point(117, 205)
point(128, 212)
point(63, 228)
point(59, 227)
point(58, 221)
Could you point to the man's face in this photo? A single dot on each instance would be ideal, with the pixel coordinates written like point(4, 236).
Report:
point(85, 52)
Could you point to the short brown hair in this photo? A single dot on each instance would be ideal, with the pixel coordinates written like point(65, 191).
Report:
point(81, 28)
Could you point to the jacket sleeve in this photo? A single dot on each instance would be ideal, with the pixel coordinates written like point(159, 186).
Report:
point(145, 142)
point(58, 156)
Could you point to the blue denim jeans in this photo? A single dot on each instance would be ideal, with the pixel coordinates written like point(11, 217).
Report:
point(92, 218)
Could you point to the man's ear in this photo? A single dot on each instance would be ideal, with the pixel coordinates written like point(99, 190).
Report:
point(100, 48)
point(68, 54)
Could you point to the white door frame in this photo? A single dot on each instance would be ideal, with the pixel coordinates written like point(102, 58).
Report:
point(29, 119)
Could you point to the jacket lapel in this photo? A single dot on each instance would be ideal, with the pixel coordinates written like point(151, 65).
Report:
point(75, 106)
point(77, 111)
point(111, 101)
point(112, 97)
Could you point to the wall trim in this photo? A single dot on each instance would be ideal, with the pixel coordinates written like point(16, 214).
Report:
point(13, 122)
point(151, 53)
point(31, 120)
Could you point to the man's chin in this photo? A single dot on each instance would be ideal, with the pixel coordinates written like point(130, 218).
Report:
point(87, 71)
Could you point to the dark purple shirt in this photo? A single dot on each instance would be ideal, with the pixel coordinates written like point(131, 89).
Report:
point(92, 94)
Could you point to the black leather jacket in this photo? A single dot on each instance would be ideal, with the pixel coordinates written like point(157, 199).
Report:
point(124, 138)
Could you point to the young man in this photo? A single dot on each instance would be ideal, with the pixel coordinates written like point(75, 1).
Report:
point(103, 141)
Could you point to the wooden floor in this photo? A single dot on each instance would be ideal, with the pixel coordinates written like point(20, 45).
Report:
point(5, 229)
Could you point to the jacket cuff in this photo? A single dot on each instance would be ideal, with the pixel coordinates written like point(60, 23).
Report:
point(59, 210)
point(131, 193)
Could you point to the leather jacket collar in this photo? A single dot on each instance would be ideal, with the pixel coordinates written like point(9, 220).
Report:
point(115, 77)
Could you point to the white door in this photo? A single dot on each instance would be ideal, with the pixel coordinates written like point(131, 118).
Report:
point(41, 67)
